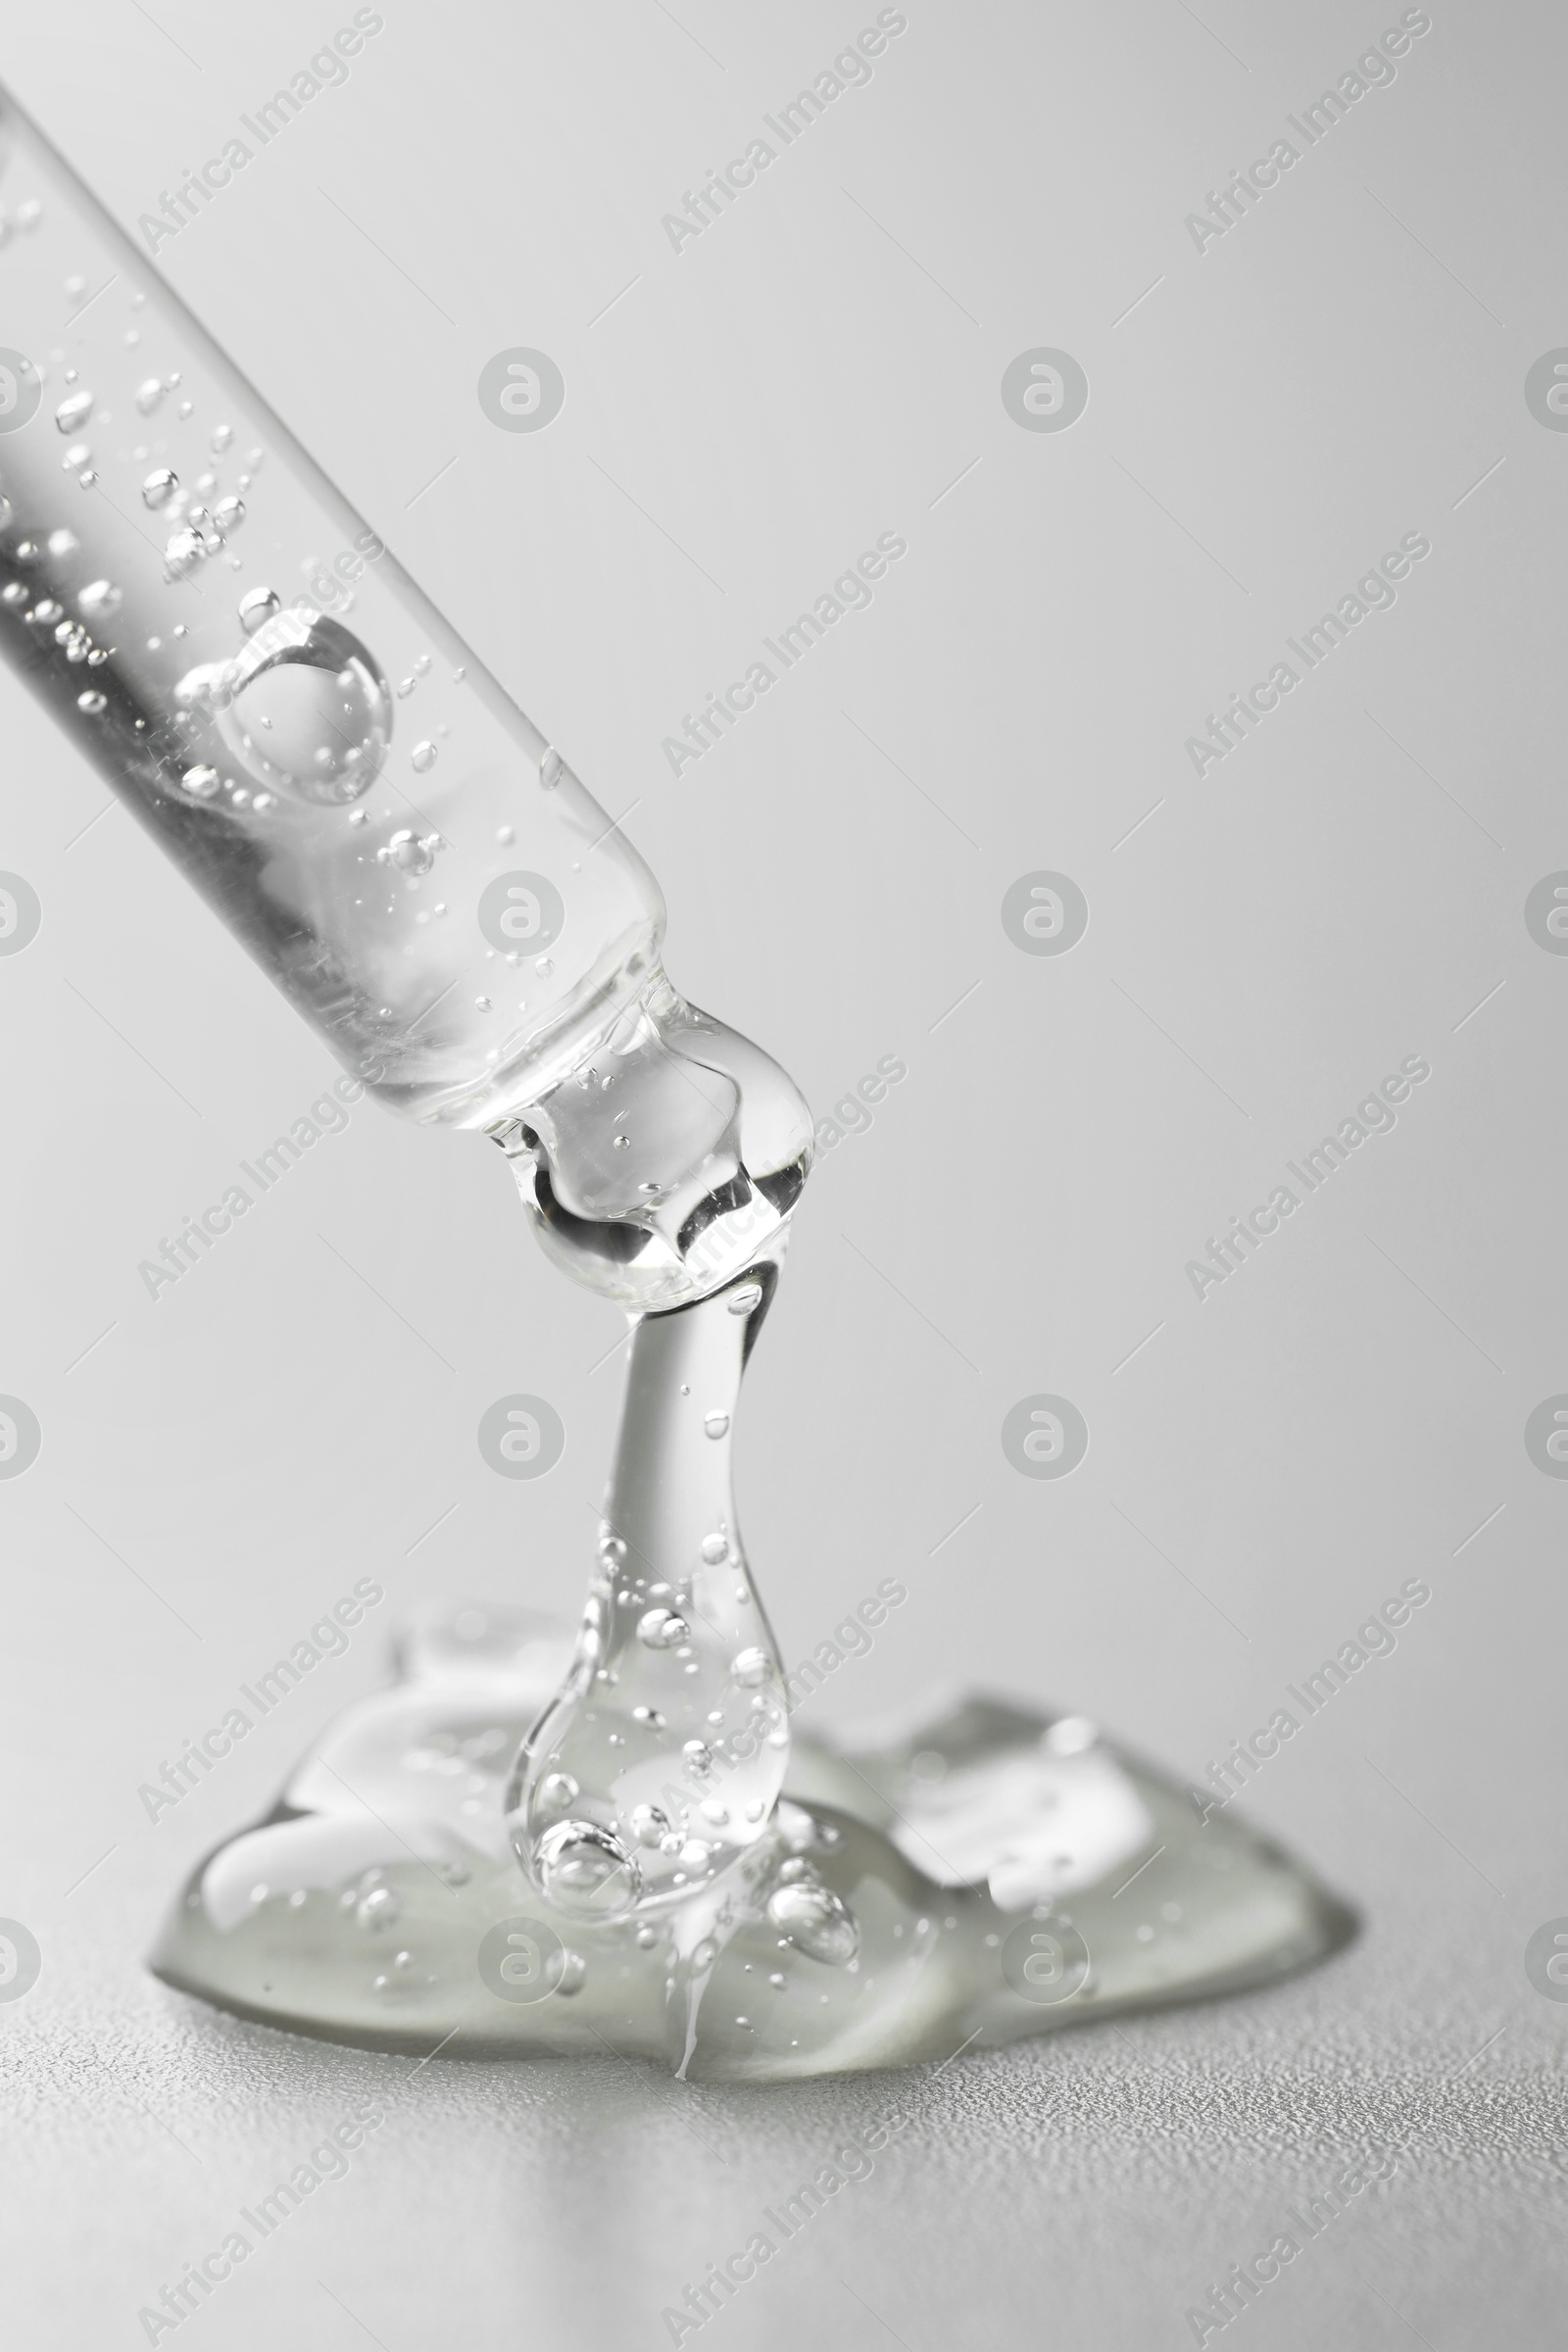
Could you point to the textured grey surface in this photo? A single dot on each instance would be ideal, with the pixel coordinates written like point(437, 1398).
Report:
point(1266, 417)
point(1095, 2184)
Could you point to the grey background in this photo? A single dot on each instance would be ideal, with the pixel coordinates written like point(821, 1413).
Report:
point(822, 366)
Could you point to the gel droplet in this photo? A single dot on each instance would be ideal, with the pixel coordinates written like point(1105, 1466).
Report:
point(259, 605)
point(305, 709)
point(715, 1424)
point(584, 1869)
point(409, 852)
point(186, 548)
point(815, 1921)
point(661, 1629)
point(159, 487)
point(380, 1908)
point(422, 757)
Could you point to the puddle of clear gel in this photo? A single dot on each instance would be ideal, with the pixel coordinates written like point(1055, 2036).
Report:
point(976, 1877)
point(530, 1845)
